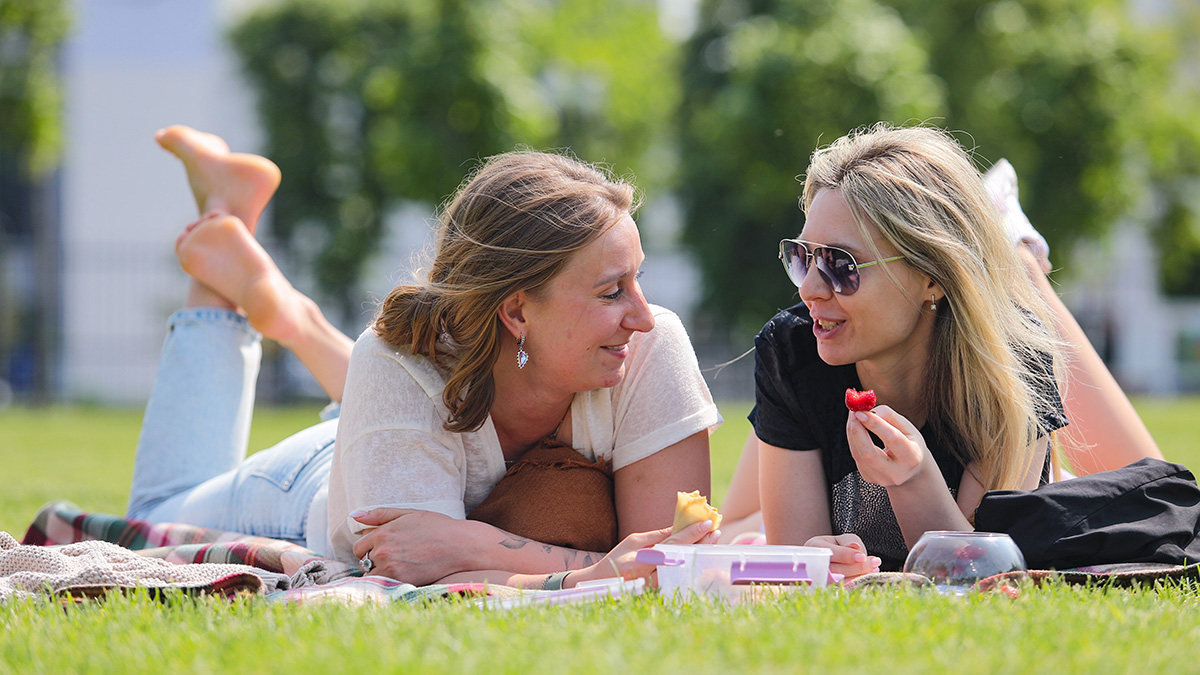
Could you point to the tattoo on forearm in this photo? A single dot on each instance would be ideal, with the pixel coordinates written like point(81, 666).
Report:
point(569, 555)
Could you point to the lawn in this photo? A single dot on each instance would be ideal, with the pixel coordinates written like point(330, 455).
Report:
point(86, 455)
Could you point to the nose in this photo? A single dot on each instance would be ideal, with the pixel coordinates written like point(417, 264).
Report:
point(814, 286)
point(639, 318)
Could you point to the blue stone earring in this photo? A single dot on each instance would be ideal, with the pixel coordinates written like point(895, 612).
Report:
point(522, 357)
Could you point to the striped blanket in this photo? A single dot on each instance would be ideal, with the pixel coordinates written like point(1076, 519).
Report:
point(312, 577)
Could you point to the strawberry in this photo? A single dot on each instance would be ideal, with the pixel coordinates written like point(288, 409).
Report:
point(860, 401)
point(970, 552)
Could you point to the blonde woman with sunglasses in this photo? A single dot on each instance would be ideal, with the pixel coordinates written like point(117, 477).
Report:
point(910, 287)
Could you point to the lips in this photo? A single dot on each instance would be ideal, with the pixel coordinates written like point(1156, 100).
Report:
point(824, 328)
point(617, 350)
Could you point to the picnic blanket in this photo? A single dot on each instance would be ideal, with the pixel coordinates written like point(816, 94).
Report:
point(233, 562)
point(62, 522)
point(90, 568)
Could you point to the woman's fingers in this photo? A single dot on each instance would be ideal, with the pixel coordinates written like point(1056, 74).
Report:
point(692, 534)
point(379, 516)
point(892, 421)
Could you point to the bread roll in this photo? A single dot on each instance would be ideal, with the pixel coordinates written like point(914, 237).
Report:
point(692, 507)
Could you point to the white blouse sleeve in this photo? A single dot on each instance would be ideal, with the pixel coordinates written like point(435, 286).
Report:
point(663, 398)
point(392, 449)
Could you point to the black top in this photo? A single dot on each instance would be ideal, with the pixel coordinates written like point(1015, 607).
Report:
point(800, 404)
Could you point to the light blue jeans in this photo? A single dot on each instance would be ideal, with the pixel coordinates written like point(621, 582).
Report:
point(191, 464)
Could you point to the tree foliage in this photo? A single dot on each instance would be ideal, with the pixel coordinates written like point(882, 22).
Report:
point(370, 102)
point(1070, 92)
point(364, 103)
point(764, 82)
point(30, 94)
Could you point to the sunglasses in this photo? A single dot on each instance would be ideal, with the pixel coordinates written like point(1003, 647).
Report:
point(836, 266)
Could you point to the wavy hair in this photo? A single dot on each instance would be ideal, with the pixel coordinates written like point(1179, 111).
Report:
point(989, 375)
point(511, 226)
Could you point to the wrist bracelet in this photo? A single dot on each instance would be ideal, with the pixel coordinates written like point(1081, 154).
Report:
point(554, 582)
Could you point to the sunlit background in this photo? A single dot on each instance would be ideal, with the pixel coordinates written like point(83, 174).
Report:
point(376, 109)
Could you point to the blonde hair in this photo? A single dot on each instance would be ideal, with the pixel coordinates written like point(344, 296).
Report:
point(511, 226)
point(989, 373)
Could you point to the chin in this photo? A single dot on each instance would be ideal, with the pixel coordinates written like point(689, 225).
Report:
point(613, 379)
point(833, 357)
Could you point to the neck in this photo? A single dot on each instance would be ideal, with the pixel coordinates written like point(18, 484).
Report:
point(524, 412)
point(900, 379)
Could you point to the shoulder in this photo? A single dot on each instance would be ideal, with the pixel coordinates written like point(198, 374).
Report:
point(668, 341)
point(668, 329)
point(787, 339)
point(375, 361)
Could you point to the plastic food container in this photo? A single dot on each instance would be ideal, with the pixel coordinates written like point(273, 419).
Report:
point(732, 572)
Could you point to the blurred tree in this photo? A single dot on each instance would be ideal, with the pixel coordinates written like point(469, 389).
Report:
point(364, 103)
point(369, 102)
point(764, 82)
point(1084, 100)
point(1173, 151)
point(606, 76)
point(30, 96)
point(1073, 93)
point(30, 143)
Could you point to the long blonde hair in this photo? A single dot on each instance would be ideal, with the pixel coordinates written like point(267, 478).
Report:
point(511, 226)
point(989, 380)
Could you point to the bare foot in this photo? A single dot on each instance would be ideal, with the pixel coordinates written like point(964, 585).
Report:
point(220, 254)
point(237, 183)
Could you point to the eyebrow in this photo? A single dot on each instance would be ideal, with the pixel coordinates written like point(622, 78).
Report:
point(613, 278)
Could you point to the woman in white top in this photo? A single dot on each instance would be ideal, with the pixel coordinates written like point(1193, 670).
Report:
point(530, 324)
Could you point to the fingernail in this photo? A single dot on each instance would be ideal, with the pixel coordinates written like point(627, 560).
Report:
point(708, 526)
point(860, 416)
point(358, 513)
point(858, 557)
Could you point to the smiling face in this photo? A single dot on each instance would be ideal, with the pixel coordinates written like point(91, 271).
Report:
point(578, 328)
point(883, 325)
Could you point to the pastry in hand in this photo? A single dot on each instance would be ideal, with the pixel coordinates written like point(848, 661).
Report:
point(692, 507)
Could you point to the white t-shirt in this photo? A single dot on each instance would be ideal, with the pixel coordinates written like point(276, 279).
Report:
point(393, 448)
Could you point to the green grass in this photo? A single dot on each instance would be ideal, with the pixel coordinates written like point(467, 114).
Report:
point(86, 455)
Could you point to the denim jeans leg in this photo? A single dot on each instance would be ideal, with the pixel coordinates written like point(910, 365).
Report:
point(197, 422)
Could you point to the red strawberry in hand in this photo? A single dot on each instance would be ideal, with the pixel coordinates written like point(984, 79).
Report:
point(860, 401)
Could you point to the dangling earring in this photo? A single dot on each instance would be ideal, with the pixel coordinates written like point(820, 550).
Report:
point(522, 357)
point(932, 302)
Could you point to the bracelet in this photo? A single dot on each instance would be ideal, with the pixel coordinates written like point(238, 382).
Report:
point(554, 582)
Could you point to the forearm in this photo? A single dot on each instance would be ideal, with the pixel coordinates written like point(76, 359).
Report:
point(795, 502)
point(495, 549)
point(923, 503)
point(513, 579)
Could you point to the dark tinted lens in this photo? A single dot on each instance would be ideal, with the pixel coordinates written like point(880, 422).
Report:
point(795, 261)
point(838, 269)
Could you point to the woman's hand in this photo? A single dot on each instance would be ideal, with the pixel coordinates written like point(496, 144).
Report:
point(417, 547)
point(849, 558)
point(903, 450)
point(621, 562)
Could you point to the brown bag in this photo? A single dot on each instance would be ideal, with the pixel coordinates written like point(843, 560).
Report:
point(556, 496)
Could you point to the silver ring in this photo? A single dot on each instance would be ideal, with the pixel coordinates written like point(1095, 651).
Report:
point(365, 563)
